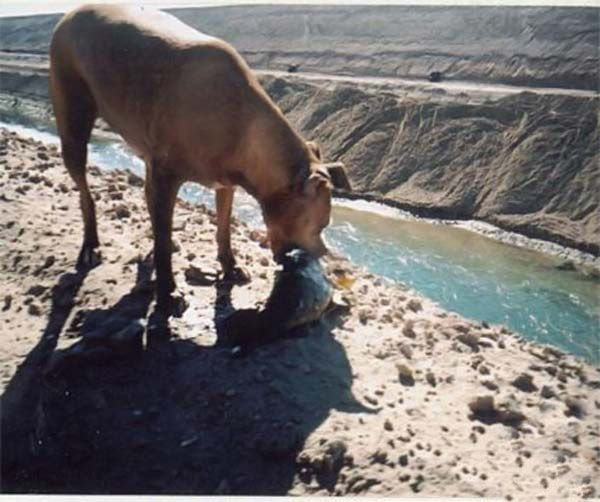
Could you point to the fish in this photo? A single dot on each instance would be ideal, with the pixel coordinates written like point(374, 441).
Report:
point(300, 295)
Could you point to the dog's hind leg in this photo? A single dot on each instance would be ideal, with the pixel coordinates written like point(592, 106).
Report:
point(161, 194)
point(75, 112)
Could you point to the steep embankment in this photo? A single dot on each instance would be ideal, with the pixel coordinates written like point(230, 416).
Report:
point(556, 47)
point(525, 162)
point(388, 395)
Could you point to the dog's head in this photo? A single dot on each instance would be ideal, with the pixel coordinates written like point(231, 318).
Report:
point(295, 217)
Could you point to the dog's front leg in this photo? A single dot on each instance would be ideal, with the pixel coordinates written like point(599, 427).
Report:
point(231, 272)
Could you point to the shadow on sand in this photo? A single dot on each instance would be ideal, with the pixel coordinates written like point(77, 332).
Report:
point(108, 415)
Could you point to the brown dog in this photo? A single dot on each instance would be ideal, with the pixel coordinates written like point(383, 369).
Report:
point(194, 111)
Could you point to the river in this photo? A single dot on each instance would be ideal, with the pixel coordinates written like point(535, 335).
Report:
point(462, 271)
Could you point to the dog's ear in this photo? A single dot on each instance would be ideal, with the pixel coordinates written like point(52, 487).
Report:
point(338, 176)
point(315, 150)
point(318, 181)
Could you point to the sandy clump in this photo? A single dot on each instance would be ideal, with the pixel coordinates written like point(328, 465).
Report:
point(388, 395)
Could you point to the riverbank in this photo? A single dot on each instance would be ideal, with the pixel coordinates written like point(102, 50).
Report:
point(572, 259)
point(34, 112)
point(389, 395)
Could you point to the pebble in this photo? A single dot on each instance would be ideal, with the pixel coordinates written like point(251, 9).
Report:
point(524, 382)
point(34, 309)
point(430, 377)
point(483, 370)
point(135, 180)
point(469, 339)
point(406, 351)
point(490, 384)
point(408, 330)
point(405, 375)
point(575, 408)
point(36, 290)
point(365, 315)
point(482, 404)
point(547, 392)
point(122, 211)
point(415, 305)
point(48, 262)
point(196, 276)
point(7, 302)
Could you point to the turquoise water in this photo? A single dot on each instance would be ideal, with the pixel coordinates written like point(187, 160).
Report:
point(460, 270)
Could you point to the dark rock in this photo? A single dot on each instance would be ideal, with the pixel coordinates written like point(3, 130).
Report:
point(415, 305)
point(469, 339)
point(135, 180)
point(405, 375)
point(575, 408)
point(525, 383)
point(430, 377)
point(48, 262)
point(490, 384)
point(200, 277)
point(36, 290)
point(482, 404)
point(485, 410)
point(379, 457)
point(7, 303)
point(34, 309)
point(547, 392)
point(408, 329)
point(122, 211)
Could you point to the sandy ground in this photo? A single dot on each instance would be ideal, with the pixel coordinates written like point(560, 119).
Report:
point(387, 395)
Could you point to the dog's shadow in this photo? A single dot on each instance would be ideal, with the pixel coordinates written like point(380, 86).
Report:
point(108, 415)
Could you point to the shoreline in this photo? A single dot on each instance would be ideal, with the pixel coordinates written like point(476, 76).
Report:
point(588, 263)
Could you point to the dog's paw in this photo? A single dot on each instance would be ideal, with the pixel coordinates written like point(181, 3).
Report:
point(89, 258)
point(236, 275)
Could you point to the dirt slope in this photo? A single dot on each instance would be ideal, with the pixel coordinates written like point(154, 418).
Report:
point(525, 162)
point(389, 396)
point(556, 47)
